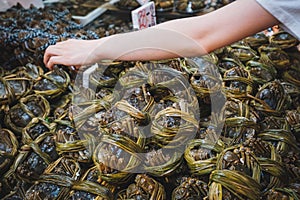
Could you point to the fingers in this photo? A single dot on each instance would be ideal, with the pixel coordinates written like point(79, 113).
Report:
point(52, 61)
point(50, 56)
point(47, 57)
point(63, 53)
point(51, 53)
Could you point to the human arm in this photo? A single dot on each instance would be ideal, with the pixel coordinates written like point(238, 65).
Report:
point(186, 37)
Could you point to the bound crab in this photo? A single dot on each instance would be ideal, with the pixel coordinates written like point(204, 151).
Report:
point(260, 72)
point(36, 152)
point(240, 121)
point(274, 56)
point(283, 39)
point(27, 108)
point(256, 40)
point(242, 51)
point(201, 155)
point(56, 181)
point(293, 118)
point(8, 148)
point(70, 144)
point(205, 78)
point(289, 192)
point(89, 187)
point(144, 187)
point(13, 87)
point(271, 99)
point(237, 81)
point(239, 170)
point(190, 188)
point(277, 131)
point(119, 151)
point(225, 63)
point(52, 84)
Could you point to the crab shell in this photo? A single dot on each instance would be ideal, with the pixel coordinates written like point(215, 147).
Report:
point(27, 108)
point(256, 40)
point(201, 155)
point(12, 88)
point(9, 145)
point(144, 186)
point(56, 181)
point(190, 188)
point(283, 39)
point(52, 84)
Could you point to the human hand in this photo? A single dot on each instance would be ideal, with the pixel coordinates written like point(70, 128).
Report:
point(72, 52)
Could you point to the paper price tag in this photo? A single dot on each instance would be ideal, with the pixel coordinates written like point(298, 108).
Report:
point(144, 16)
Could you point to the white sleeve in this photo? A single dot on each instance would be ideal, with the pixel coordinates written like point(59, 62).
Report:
point(287, 12)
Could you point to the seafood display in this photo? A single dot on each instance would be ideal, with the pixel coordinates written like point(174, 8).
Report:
point(26, 33)
point(79, 7)
point(128, 4)
point(221, 126)
point(192, 7)
point(187, 6)
point(164, 5)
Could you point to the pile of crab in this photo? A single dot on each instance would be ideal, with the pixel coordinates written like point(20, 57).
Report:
point(221, 126)
point(26, 33)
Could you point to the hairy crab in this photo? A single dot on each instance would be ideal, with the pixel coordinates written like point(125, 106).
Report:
point(144, 187)
point(56, 181)
point(25, 110)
